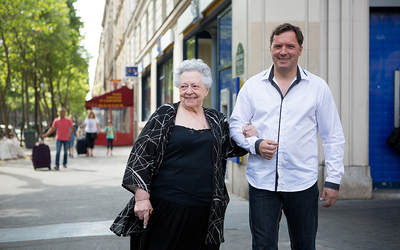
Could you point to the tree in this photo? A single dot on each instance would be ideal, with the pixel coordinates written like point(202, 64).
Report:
point(41, 59)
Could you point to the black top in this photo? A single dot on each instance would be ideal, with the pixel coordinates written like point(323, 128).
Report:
point(185, 176)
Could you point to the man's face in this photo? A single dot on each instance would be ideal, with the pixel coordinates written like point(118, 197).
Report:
point(61, 112)
point(285, 51)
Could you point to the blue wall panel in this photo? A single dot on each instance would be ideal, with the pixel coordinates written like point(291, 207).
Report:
point(384, 60)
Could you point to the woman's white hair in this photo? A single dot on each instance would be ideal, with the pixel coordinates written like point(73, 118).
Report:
point(194, 64)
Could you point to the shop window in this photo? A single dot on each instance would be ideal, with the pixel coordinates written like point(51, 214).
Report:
point(225, 39)
point(165, 83)
point(121, 120)
point(225, 49)
point(190, 48)
point(102, 114)
point(146, 97)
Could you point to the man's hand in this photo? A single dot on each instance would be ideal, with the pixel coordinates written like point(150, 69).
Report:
point(268, 148)
point(330, 195)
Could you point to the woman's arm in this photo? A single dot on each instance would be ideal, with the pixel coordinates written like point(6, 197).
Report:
point(98, 127)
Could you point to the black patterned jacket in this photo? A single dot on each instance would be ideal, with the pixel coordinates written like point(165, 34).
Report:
point(146, 158)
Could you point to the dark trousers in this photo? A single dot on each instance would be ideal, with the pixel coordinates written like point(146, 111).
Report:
point(301, 211)
point(89, 140)
point(110, 143)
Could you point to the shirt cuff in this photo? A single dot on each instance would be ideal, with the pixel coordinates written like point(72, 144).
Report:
point(331, 185)
point(257, 146)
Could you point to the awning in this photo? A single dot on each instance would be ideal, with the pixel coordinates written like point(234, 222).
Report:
point(120, 98)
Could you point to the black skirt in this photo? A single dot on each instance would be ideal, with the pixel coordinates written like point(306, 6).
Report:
point(176, 227)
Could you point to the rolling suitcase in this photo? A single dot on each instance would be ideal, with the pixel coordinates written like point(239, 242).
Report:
point(81, 146)
point(41, 157)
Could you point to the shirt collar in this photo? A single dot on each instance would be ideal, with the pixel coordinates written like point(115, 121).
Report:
point(301, 74)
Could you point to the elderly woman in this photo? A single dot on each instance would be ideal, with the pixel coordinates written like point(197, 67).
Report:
point(176, 169)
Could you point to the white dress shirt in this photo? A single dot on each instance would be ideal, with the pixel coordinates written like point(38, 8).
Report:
point(294, 122)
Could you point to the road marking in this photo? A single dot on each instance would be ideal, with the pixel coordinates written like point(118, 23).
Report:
point(65, 230)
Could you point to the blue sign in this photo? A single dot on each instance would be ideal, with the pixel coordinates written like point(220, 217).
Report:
point(131, 71)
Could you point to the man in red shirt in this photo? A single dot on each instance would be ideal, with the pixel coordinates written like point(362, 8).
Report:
point(65, 130)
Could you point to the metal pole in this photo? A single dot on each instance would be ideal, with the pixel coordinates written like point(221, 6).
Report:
point(396, 98)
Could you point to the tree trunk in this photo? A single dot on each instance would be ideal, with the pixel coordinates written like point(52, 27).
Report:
point(43, 98)
point(4, 110)
point(53, 103)
point(24, 76)
point(27, 106)
point(36, 99)
point(7, 85)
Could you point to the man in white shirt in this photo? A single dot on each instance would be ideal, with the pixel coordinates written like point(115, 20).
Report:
point(288, 106)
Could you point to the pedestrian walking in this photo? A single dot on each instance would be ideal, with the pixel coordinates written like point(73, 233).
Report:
point(111, 135)
point(91, 126)
point(288, 106)
point(65, 129)
point(177, 169)
point(71, 142)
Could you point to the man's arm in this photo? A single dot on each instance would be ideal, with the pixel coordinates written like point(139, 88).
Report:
point(331, 132)
point(49, 132)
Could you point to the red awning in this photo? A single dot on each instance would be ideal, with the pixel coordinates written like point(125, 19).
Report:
point(120, 98)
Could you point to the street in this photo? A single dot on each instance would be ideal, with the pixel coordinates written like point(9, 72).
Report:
point(73, 208)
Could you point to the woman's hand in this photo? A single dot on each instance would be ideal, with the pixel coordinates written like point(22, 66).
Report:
point(249, 131)
point(143, 208)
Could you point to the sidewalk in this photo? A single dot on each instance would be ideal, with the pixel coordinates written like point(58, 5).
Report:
point(72, 209)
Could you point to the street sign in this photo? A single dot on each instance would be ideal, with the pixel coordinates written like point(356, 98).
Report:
point(131, 71)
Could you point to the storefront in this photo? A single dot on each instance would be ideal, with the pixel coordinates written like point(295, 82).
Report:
point(118, 107)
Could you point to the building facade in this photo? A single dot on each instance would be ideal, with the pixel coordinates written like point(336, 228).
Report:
point(232, 37)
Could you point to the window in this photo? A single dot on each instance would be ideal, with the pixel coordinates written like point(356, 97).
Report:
point(150, 23)
point(102, 114)
point(165, 83)
point(169, 6)
point(225, 38)
point(146, 96)
point(225, 49)
point(121, 120)
point(138, 47)
point(143, 31)
point(159, 18)
point(190, 48)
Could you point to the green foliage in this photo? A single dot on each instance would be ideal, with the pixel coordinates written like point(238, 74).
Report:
point(39, 45)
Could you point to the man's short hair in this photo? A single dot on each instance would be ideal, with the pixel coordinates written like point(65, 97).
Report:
point(287, 27)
